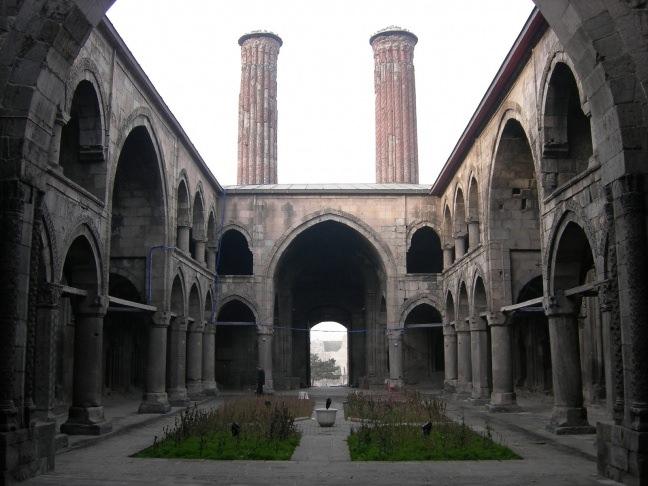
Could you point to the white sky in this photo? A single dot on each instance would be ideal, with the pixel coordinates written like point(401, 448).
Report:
point(325, 96)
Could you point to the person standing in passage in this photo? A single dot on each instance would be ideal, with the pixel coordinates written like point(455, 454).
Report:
point(260, 380)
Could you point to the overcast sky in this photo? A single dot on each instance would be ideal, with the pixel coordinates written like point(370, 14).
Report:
point(325, 96)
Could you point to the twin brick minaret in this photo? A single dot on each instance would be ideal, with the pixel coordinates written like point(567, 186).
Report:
point(396, 138)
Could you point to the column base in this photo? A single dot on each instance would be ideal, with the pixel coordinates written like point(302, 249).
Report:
point(450, 386)
point(86, 421)
point(394, 384)
point(570, 421)
point(477, 401)
point(155, 403)
point(26, 453)
point(210, 388)
point(480, 396)
point(178, 397)
point(622, 454)
point(463, 391)
point(503, 402)
point(194, 390)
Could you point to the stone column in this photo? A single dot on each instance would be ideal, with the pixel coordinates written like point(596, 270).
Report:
point(503, 394)
point(450, 357)
point(628, 202)
point(447, 256)
point(45, 370)
point(608, 360)
point(460, 245)
point(479, 359)
point(176, 388)
point(264, 336)
point(86, 415)
point(473, 232)
point(199, 250)
point(183, 238)
point(395, 338)
point(396, 136)
point(569, 416)
point(211, 258)
point(464, 366)
point(55, 144)
point(257, 133)
point(209, 359)
point(156, 399)
point(194, 358)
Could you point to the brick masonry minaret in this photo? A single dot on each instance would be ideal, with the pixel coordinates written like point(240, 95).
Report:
point(257, 135)
point(396, 137)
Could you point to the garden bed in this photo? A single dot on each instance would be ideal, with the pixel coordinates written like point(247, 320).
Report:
point(409, 428)
point(245, 428)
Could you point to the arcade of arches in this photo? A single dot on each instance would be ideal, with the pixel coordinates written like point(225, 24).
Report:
point(130, 271)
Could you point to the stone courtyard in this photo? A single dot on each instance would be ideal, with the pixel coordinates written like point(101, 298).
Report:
point(135, 284)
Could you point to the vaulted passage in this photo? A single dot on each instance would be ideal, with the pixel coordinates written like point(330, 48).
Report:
point(423, 347)
point(236, 347)
point(330, 272)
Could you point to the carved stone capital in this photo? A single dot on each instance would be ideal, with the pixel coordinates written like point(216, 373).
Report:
point(559, 305)
point(265, 329)
point(476, 323)
point(462, 325)
point(497, 319)
point(93, 305)
point(179, 323)
point(449, 329)
point(395, 333)
point(49, 295)
point(161, 319)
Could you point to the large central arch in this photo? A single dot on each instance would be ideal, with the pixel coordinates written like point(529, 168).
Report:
point(330, 270)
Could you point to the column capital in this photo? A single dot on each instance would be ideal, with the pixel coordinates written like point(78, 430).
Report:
point(210, 327)
point(93, 305)
point(61, 118)
point(449, 329)
point(477, 323)
point(459, 234)
point(448, 246)
point(395, 333)
point(196, 325)
point(497, 319)
point(180, 323)
point(161, 318)
point(472, 220)
point(265, 329)
point(49, 294)
point(462, 325)
point(559, 305)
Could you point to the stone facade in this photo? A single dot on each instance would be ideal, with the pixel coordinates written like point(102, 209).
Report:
point(522, 268)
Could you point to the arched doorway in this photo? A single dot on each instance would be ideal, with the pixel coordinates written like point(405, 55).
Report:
point(424, 254)
point(423, 360)
point(329, 357)
point(331, 272)
point(236, 346)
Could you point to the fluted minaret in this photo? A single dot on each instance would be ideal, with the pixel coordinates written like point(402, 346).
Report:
point(257, 137)
point(396, 138)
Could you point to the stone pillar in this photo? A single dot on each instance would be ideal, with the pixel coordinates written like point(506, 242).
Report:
point(396, 135)
point(86, 415)
point(264, 336)
point(55, 144)
point(45, 370)
point(183, 238)
point(447, 256)
point(450, 357)
point(502, 398)
point(257, 133)
point(209, 359)
point(176, 388)
point(479, 359)
point(211, 258)
point(569, 416)
point(156, 399)
point(473, 232)
point(194, 358)
point(395, 338)
point(460, 245)
point(608, 360)
point(199, 250)
point(464, 365)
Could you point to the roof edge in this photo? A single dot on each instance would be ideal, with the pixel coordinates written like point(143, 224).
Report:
point(517, 56)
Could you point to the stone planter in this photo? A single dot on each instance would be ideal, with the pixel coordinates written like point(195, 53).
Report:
point(326, 417)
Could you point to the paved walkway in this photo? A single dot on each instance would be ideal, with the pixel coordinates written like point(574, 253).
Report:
point(322, 458)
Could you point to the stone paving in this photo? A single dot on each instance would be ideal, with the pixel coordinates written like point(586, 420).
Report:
point(323, 458)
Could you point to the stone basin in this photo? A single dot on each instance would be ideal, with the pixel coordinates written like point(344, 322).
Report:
point(326, 417)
